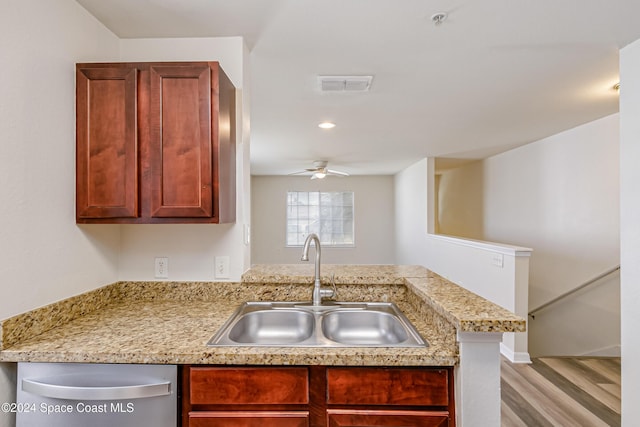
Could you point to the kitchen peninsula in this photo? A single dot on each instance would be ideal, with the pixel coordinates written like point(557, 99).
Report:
point(171, 322)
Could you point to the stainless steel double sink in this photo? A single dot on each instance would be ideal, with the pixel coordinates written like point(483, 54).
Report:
point(332, 324)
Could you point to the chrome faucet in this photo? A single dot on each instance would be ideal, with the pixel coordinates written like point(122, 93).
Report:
point(318, 292)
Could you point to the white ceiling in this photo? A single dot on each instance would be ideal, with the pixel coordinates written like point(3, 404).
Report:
point(496, 74)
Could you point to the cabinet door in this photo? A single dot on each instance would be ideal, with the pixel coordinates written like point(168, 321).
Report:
point(106, 142)
point(180, 141)
point(364, 418)
point(249, 419)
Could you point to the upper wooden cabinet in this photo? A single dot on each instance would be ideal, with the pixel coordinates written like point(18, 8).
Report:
point(107, 142)
point(155, 143)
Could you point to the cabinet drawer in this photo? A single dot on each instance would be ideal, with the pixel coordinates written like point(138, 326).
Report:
point(242, 386)
point(249, 419)
point(350, 418)
point(389, 386)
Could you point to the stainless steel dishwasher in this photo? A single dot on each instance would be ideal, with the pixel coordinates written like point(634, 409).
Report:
point(96, 395)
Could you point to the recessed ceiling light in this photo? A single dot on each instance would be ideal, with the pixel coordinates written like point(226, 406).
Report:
point(327, 125)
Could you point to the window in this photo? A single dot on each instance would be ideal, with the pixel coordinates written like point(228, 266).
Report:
point(328, 214)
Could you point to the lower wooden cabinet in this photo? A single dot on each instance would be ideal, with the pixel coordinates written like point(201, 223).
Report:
point(359, 418)
point(317, 396)
point(248, 386)
point(248, 419)
point(387, 386)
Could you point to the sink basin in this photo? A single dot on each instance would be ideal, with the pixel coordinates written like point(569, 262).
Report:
point(363, 328)
point(335, 324)
point(273, 327)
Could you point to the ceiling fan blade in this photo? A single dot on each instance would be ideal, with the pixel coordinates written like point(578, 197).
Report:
point(338, 173)
point(320, 170)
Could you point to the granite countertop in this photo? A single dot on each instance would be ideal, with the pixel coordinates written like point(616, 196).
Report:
point(171, 322)
point(465, 310)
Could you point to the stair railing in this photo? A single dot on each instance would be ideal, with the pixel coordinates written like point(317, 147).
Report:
point(574, 290)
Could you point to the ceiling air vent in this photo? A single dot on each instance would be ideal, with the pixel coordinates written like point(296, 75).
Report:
point(345, 83)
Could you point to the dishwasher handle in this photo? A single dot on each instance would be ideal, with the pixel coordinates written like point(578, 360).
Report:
point(56, 391)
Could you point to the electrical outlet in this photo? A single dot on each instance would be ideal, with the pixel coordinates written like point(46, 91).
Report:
point(222, 267)
point(161, 268)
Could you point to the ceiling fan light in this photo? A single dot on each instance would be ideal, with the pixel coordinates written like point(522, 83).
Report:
point(318, 175)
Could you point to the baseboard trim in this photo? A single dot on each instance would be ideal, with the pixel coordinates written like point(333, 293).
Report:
point(610, 351)
point(514, 356)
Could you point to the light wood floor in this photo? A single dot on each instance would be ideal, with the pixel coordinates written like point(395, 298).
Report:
point(561, 392)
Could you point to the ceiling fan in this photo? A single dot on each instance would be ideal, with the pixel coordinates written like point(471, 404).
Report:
point(320, 170)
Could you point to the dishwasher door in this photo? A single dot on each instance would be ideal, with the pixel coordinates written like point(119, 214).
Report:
point(96, 395)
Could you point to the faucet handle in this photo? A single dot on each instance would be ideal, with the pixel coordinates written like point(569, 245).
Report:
point(329, 293)
point(333, 285)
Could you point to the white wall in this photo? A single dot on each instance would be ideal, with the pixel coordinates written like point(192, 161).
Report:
point(460, 201)
point(44, 256)
point(226, 50)
point(630, 230)
point(411, 214)
point(469, 264)
point(497, 272)
point(191, 249)
point(373, 211)
point(584, 324)
point(560, 196)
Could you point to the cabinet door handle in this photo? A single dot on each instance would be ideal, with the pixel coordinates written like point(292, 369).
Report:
point(57, 391)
